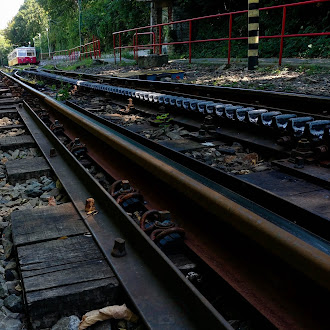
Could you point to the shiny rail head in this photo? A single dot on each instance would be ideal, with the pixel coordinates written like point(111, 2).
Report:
point(280, 122)
point(193, 105)
point(251, 117)
point(229, 111)
point(314, 130)
point(220, 109)
point(167, 99)
point(173, 101)
point(239, 114)
point(265, 119)
point(202, 106)
point(186, 103)
point(153, 97)
point(296, 126)
point(179, 102)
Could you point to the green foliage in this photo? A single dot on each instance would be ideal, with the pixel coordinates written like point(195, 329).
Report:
point(84, 63)
point(127, 55)
point(302, 19)
point(102, 17)
point(163, 118)
point(4, 49)
point(163, 121)
point(29, 21)
point(63, 93)
point(49, 67)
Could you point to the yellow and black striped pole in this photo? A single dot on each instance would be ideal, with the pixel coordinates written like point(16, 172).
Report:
point(253, 30)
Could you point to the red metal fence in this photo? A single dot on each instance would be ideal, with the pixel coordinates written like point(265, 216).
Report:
point(136, 47)
point(90, 49)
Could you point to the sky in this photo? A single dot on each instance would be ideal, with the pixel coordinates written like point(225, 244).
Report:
point(8, 9)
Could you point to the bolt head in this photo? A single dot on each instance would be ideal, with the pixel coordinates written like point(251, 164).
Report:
point(119, 248)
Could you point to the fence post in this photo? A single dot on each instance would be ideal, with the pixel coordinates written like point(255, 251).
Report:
point(160, 39)
point(114, 47)
point(229, 37)
point(119, 47)
point(253, 33)
point(137, 46)
point(94, 44)
point(282, 34)
point(190, 32)
point(154, 42)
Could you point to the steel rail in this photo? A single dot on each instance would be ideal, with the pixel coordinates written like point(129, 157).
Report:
point(164, 298)
point(317, 225)
point(291, 101)
point(302, 256)
point(303, 217)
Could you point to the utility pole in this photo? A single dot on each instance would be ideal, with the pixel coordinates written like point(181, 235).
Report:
point(79, 19)
point(48, 43)
point(253, 31)
point(40, 46)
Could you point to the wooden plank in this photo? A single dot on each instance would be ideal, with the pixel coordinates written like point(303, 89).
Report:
point(317, 202)
point(46, 307)
point(8, 101)
point(281, 184)
point(39, 256)
point(16, 141)
point(63, 277)
point(31, 226)
point(10, 127)
point(313, 173)
point(19, 170)
point(8, 111)
point(5, 95)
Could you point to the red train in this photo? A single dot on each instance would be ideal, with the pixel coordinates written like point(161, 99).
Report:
point(22, 55)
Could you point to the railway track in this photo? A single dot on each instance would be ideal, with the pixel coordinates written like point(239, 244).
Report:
point(258, 129)
point(276, 250)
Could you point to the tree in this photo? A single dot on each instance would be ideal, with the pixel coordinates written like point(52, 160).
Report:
point(5, 48)
point(29, 21)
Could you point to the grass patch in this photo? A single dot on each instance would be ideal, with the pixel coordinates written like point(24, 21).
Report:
point(84, 63)
point(125, 64)
point(233, 84)
point(126, 54)
point(312, 69)
point(48, 67)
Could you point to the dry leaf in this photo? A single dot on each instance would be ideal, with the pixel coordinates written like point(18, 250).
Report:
point(51, 201)
point(106, 313)
point(18, 287)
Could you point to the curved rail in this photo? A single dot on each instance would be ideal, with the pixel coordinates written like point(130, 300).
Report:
point(261, 98)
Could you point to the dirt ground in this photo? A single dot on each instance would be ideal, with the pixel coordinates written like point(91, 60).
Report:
point(313, 80)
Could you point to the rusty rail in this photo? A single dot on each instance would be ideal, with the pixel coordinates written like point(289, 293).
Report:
point(164, 298)
point(302, 256)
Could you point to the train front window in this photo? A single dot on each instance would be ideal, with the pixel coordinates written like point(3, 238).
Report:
point(30, 53)
point(21, 53)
